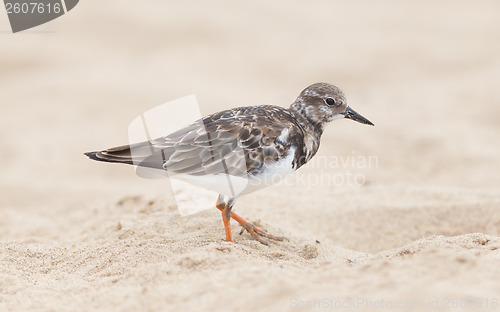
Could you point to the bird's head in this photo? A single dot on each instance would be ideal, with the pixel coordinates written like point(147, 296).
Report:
point(321, 103)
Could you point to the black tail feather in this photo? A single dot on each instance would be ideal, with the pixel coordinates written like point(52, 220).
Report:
point(92, 155)
point(144, 155)
point(108, 157)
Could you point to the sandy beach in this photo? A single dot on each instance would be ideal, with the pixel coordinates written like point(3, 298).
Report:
point(403, 216)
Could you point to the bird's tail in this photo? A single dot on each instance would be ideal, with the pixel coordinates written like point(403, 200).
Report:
point(121, 154)
point(139, 154)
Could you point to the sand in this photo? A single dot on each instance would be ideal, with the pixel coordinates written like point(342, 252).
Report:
point(400, 216)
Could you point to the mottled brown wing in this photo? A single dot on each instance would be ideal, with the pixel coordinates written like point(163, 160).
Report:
point(236, 142)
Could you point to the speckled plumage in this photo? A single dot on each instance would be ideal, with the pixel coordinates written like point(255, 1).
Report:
point(242, 142)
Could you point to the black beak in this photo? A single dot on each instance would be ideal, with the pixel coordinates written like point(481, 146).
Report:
point(351, 114)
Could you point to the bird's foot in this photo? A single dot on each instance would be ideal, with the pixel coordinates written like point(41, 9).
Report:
point(259, 233)
point(256, 232)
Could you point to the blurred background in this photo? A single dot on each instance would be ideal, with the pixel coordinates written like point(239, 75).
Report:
point(426, 73)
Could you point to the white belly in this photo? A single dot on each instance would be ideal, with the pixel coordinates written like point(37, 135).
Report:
point(232, 186)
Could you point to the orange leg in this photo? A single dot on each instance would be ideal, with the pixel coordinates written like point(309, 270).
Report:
point(254, 230)
point(226, 218)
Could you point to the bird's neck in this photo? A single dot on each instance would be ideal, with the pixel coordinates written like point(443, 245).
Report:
point(299, 111)
point(311, 131)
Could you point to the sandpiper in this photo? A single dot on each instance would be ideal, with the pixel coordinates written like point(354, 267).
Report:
point(251, 147)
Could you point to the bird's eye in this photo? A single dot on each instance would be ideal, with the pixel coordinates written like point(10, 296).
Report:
point(330, 101)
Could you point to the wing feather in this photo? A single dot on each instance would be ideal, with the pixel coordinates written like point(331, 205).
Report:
point(237, 142)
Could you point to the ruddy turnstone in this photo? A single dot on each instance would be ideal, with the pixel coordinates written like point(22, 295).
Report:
point(241, 150)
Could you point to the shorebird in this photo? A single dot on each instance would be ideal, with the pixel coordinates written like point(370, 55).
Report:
point(241, 150)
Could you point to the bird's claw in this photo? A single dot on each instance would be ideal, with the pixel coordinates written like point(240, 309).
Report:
point(259, 233)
